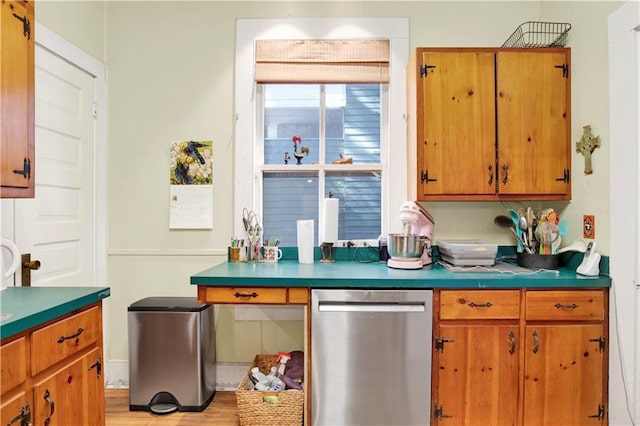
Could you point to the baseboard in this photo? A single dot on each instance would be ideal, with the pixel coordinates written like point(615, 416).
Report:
point(228, 375)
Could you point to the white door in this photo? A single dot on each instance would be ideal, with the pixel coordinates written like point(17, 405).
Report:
point(57, 226)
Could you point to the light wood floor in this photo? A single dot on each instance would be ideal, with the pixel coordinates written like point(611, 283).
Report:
point(221, 412)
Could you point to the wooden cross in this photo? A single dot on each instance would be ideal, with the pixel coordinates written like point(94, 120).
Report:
point(587, 144)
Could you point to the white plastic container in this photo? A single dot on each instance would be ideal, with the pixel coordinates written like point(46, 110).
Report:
point(468, 252)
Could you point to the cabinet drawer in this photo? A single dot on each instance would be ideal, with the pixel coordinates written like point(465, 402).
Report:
point(13, 364)
point(565, 305)
point(298, 296)
point(479, 304)
point(241, 295)
point(64, 338)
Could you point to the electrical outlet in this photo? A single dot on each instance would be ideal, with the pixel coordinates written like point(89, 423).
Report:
point(589, 226)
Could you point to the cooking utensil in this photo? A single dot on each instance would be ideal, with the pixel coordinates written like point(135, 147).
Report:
point(547, 234)
point(506, 222)
point(530, 226)
point(515, 217)
point(524, 226)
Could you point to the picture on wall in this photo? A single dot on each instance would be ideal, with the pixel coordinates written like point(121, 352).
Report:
point(191, 185)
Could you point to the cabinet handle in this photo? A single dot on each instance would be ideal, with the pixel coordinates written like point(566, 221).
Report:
point(98, 365)
point(561, 306)
point(26, 25)
point(490, 168)
point(480, 305)
point(505, 168)
point(73, 336)
point(52, 406)
point(238, 295)
point(536, 341)
point(512, 341)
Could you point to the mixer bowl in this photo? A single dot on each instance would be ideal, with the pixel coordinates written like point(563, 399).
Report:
point(406, 246)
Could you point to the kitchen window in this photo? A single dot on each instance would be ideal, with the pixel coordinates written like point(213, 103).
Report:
point(335, 120)
point(321, 140)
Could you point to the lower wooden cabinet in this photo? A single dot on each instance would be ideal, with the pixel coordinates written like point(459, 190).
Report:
point(477, 360)
point(544, 363)
point(63, 384)
point(563, 375)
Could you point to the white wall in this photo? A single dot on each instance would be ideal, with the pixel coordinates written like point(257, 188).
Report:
point(624, 92)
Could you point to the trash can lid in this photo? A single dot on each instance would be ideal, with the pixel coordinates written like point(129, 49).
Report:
point(168, 304)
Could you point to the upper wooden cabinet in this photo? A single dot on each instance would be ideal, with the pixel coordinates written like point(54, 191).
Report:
point(489, 124)
point(17, 110)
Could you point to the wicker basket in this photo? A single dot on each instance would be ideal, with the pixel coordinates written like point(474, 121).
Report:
point(268, 408)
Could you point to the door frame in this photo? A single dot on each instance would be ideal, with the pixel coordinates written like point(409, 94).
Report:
point(49, 40)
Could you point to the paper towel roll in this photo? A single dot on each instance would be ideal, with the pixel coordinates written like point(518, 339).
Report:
point(330, 221)
point(305, 241)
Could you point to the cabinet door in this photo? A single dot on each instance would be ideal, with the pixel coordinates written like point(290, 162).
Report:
point(16, 98)
point(456, 142)
point(563, 376)
point(534, 145)
point(477, 371)
point(72, 395)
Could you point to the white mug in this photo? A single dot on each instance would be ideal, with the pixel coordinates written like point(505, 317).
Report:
point(272, 254)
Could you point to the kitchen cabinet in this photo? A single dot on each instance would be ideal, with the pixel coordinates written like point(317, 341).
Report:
point(485, 373)
point(475, 364)
point(489, 124)
point(17, 105)
point(71, 395)
point(565, 358)
point(53, 372)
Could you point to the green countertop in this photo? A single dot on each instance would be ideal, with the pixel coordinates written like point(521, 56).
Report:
point(376, 275)
point(22, 308)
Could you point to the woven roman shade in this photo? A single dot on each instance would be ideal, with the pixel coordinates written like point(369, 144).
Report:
point(322, 61)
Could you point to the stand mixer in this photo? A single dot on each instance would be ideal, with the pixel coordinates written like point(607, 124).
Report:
point(412, 248)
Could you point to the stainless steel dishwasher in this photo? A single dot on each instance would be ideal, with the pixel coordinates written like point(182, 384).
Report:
point(371, 357)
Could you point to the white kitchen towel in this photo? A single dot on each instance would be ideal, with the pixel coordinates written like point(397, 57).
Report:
point(330, 220)
point(305, 241)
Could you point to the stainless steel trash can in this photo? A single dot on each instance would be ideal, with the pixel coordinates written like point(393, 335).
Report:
point(171, 355)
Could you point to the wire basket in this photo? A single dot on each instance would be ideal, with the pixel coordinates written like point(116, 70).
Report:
point(539, 34)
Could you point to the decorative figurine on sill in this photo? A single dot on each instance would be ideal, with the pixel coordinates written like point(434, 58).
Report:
point(287, 157)
point(587, 144)
point(304, 150)
point(343, 160)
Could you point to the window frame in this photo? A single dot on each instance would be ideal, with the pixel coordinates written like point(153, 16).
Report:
point(248, 129)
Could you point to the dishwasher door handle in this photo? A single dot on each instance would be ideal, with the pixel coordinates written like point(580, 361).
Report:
point(370, 307)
